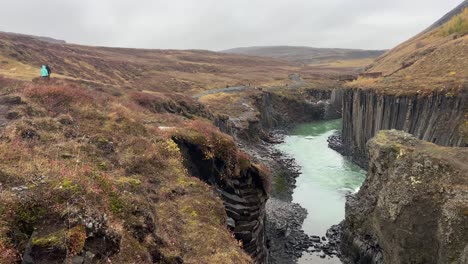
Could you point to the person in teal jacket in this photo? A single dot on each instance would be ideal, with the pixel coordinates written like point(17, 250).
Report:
point(44, 72)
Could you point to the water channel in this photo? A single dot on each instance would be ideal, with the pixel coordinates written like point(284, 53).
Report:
point(326, 178)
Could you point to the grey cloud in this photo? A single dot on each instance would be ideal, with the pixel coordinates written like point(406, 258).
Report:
point(222, 24)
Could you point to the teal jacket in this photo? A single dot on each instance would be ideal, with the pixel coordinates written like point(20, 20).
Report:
point(44, 72)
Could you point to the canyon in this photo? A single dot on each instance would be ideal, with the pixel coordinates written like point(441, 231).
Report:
point(130, 155)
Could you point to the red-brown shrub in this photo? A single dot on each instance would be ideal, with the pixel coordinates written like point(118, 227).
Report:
point(7, 255)
point(58, 98)
point(9, 85)
point(152, 102)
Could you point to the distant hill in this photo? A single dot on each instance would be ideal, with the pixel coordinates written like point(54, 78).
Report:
point(41, 38)
point(307, 55)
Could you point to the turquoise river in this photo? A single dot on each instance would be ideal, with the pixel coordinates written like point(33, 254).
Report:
point(326, 178)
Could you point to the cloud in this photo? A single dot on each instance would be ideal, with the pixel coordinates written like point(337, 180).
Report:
point(222, 24)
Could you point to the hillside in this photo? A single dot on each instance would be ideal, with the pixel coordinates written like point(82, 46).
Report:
point(171, 70)
point(308, 55)
point(41, 38)
point(93, 161)
point(100, 161)
point(435, 59)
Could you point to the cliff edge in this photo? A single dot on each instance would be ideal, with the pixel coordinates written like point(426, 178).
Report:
point(412, 207)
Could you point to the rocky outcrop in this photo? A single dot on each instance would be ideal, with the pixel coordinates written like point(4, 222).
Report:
point(244, 197)
point(412, 207)
point(438, 117)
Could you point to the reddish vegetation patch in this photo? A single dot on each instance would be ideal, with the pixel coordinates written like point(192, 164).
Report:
point(58, 98)
point(7, 255)
point(81, 154)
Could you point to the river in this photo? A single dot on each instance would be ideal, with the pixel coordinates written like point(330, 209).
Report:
point(326, 177)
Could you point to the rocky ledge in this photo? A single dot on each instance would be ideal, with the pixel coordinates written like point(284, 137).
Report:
point(413, 205)
point(244, 196)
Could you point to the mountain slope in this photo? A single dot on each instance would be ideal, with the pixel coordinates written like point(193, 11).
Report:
point(435, 59)
point(448, 16)
point(307, 55)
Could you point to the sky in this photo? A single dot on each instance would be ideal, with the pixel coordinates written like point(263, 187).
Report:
point(223, 24)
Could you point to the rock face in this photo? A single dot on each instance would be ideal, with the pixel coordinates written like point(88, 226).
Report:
point(278, 111)
point(244, 198)
point(438, 118)
point(413, 205)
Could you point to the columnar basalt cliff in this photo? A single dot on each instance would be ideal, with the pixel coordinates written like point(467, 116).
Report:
point(412, 207)
point(244, 196)
point(439, 117)
point(281, 110)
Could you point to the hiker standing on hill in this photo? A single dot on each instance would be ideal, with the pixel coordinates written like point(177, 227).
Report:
point(44, 72)
point(49, 71)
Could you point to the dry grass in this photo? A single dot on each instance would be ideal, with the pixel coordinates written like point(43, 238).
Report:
point(457, 25)
point(234, 105)
point(347, 64)
point(434, 60)
point(78, 153)
point(157, 70)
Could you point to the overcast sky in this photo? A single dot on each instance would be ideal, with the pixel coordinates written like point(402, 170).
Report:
point(223, 24)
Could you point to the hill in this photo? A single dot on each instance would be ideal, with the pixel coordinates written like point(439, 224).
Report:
point(435, 59)
point(308, 55)
point(171, 70)
point(41, 38)
point(94, 162)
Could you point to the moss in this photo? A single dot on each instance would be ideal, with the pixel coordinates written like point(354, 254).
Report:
point(29, 214)
point(103, 166)
point(53, 240)
point(73, 239)
point(69, 185)
point(125, 181)
point(116, 204)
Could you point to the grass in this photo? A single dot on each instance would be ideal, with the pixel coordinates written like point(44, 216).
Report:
point(457, 25)
point(156, 70)
point(350, 63)
point(432, 60)
point(13, 68)
point(97, 154)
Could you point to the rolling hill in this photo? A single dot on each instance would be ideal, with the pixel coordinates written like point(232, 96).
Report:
point(308, 55)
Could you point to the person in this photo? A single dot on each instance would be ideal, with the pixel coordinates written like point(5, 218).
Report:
point(44, 72)
point(49, 71)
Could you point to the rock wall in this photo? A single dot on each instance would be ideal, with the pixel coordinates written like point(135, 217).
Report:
point(438, 118)
point(413, 205)
point(278, 110)
point(244, 198)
